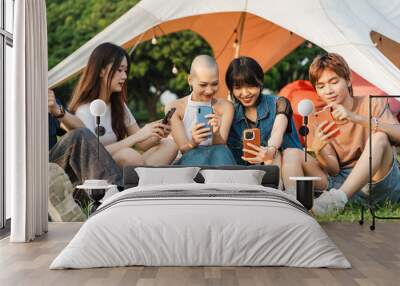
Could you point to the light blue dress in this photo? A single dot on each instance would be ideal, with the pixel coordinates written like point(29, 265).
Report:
point(205, 154)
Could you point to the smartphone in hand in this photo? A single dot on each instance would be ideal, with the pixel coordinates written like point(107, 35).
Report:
point(168, 116)
point(251, 135)
point(324, 115)
point(317, 118)
point(202, 112)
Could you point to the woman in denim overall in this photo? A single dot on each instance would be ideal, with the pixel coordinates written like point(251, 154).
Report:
point(270, 113)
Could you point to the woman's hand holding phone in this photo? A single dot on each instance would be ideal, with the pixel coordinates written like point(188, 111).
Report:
point(156, 129)
point(200, 133)
point(214, 121)
point(261, 154)
point(166, 128)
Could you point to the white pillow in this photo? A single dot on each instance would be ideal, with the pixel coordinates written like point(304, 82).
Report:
point(166, 176)
point(248, 177)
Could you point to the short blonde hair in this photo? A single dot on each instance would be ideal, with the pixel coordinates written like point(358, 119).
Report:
point(333, 62)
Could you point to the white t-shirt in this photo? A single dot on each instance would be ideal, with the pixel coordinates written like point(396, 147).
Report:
point(83, 113)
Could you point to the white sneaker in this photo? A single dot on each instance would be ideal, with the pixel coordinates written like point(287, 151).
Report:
point(330, 202)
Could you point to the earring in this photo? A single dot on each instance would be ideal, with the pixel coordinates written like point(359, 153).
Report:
point(190, 88)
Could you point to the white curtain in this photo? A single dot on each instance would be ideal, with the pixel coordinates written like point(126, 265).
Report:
point(26, 123)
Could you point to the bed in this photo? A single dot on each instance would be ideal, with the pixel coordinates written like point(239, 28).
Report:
point(201, 224)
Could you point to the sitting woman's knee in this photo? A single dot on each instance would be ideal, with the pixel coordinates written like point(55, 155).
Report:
point(380, 139)
point(169, 145)
point(128, 156)
point(292, 154)
point(78, 135)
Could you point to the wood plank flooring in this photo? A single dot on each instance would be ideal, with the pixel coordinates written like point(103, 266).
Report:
point(375, 257)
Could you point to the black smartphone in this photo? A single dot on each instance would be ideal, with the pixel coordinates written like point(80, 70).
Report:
point(168, 116)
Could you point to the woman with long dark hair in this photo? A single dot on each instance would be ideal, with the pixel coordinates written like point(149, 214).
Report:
point(272, 115)
point(105, 78)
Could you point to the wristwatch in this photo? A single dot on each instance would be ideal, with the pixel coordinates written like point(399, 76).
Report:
point(61, 112)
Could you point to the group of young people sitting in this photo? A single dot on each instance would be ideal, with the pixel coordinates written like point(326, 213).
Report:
point(341, 162)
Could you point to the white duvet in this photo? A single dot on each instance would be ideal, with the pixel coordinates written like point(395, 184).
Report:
point(267, 229)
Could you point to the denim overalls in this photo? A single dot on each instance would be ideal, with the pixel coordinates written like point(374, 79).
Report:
point(266, 112)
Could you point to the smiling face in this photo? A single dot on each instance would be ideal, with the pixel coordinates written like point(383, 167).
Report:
point(205, 83)
point(244, 79)
point(332, 88)
point(246, 94)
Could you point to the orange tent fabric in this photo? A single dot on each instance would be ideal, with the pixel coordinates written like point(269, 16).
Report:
point(297, 91)
point(259, 38)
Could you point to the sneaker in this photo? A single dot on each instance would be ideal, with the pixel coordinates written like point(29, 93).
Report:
point(330, 202)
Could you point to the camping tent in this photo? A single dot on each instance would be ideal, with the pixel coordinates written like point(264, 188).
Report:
point(264, 29)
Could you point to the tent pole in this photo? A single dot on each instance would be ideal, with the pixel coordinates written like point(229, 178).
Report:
point(241, 27)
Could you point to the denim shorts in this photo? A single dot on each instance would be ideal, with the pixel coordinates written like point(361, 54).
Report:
point(387, 189)
point(213, 155)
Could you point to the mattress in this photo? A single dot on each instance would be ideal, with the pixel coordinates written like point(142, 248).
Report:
point(201, 225)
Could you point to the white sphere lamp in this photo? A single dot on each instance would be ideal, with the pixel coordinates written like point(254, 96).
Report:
point(305, 107)
point(98, 108)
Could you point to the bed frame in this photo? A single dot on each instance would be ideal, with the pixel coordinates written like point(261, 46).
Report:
point(270, 179)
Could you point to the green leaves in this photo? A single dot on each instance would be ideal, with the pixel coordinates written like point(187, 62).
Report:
point(293, 67)
point(71, 23)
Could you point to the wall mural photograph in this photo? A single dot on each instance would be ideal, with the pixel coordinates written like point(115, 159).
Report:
point(199, 142)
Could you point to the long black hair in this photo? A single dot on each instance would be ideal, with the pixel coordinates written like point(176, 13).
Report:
point(88, 88)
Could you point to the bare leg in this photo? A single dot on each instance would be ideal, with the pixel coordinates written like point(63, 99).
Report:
point(293, 165)
point(382, 158)
point(278, 162)
point(128, 156)
point(161, 154)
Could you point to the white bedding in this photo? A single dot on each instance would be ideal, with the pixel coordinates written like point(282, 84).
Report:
point(268, 228)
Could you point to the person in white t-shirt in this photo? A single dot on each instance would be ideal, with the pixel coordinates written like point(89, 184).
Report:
point(105, 78)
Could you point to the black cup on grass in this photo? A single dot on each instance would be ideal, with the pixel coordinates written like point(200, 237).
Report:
point(305, 193)
point(305, 190)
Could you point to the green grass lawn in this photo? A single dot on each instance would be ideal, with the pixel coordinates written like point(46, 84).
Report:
point(352, 212)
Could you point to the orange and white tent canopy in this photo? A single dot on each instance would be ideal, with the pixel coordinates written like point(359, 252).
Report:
point(266, 30)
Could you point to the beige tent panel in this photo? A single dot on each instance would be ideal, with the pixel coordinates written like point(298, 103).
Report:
point(388, 47)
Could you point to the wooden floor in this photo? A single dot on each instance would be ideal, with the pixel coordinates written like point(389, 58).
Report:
point(375, 257)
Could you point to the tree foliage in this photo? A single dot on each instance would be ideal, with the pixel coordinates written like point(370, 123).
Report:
point(151, 69)
point(71, 23)
point(293, 67)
